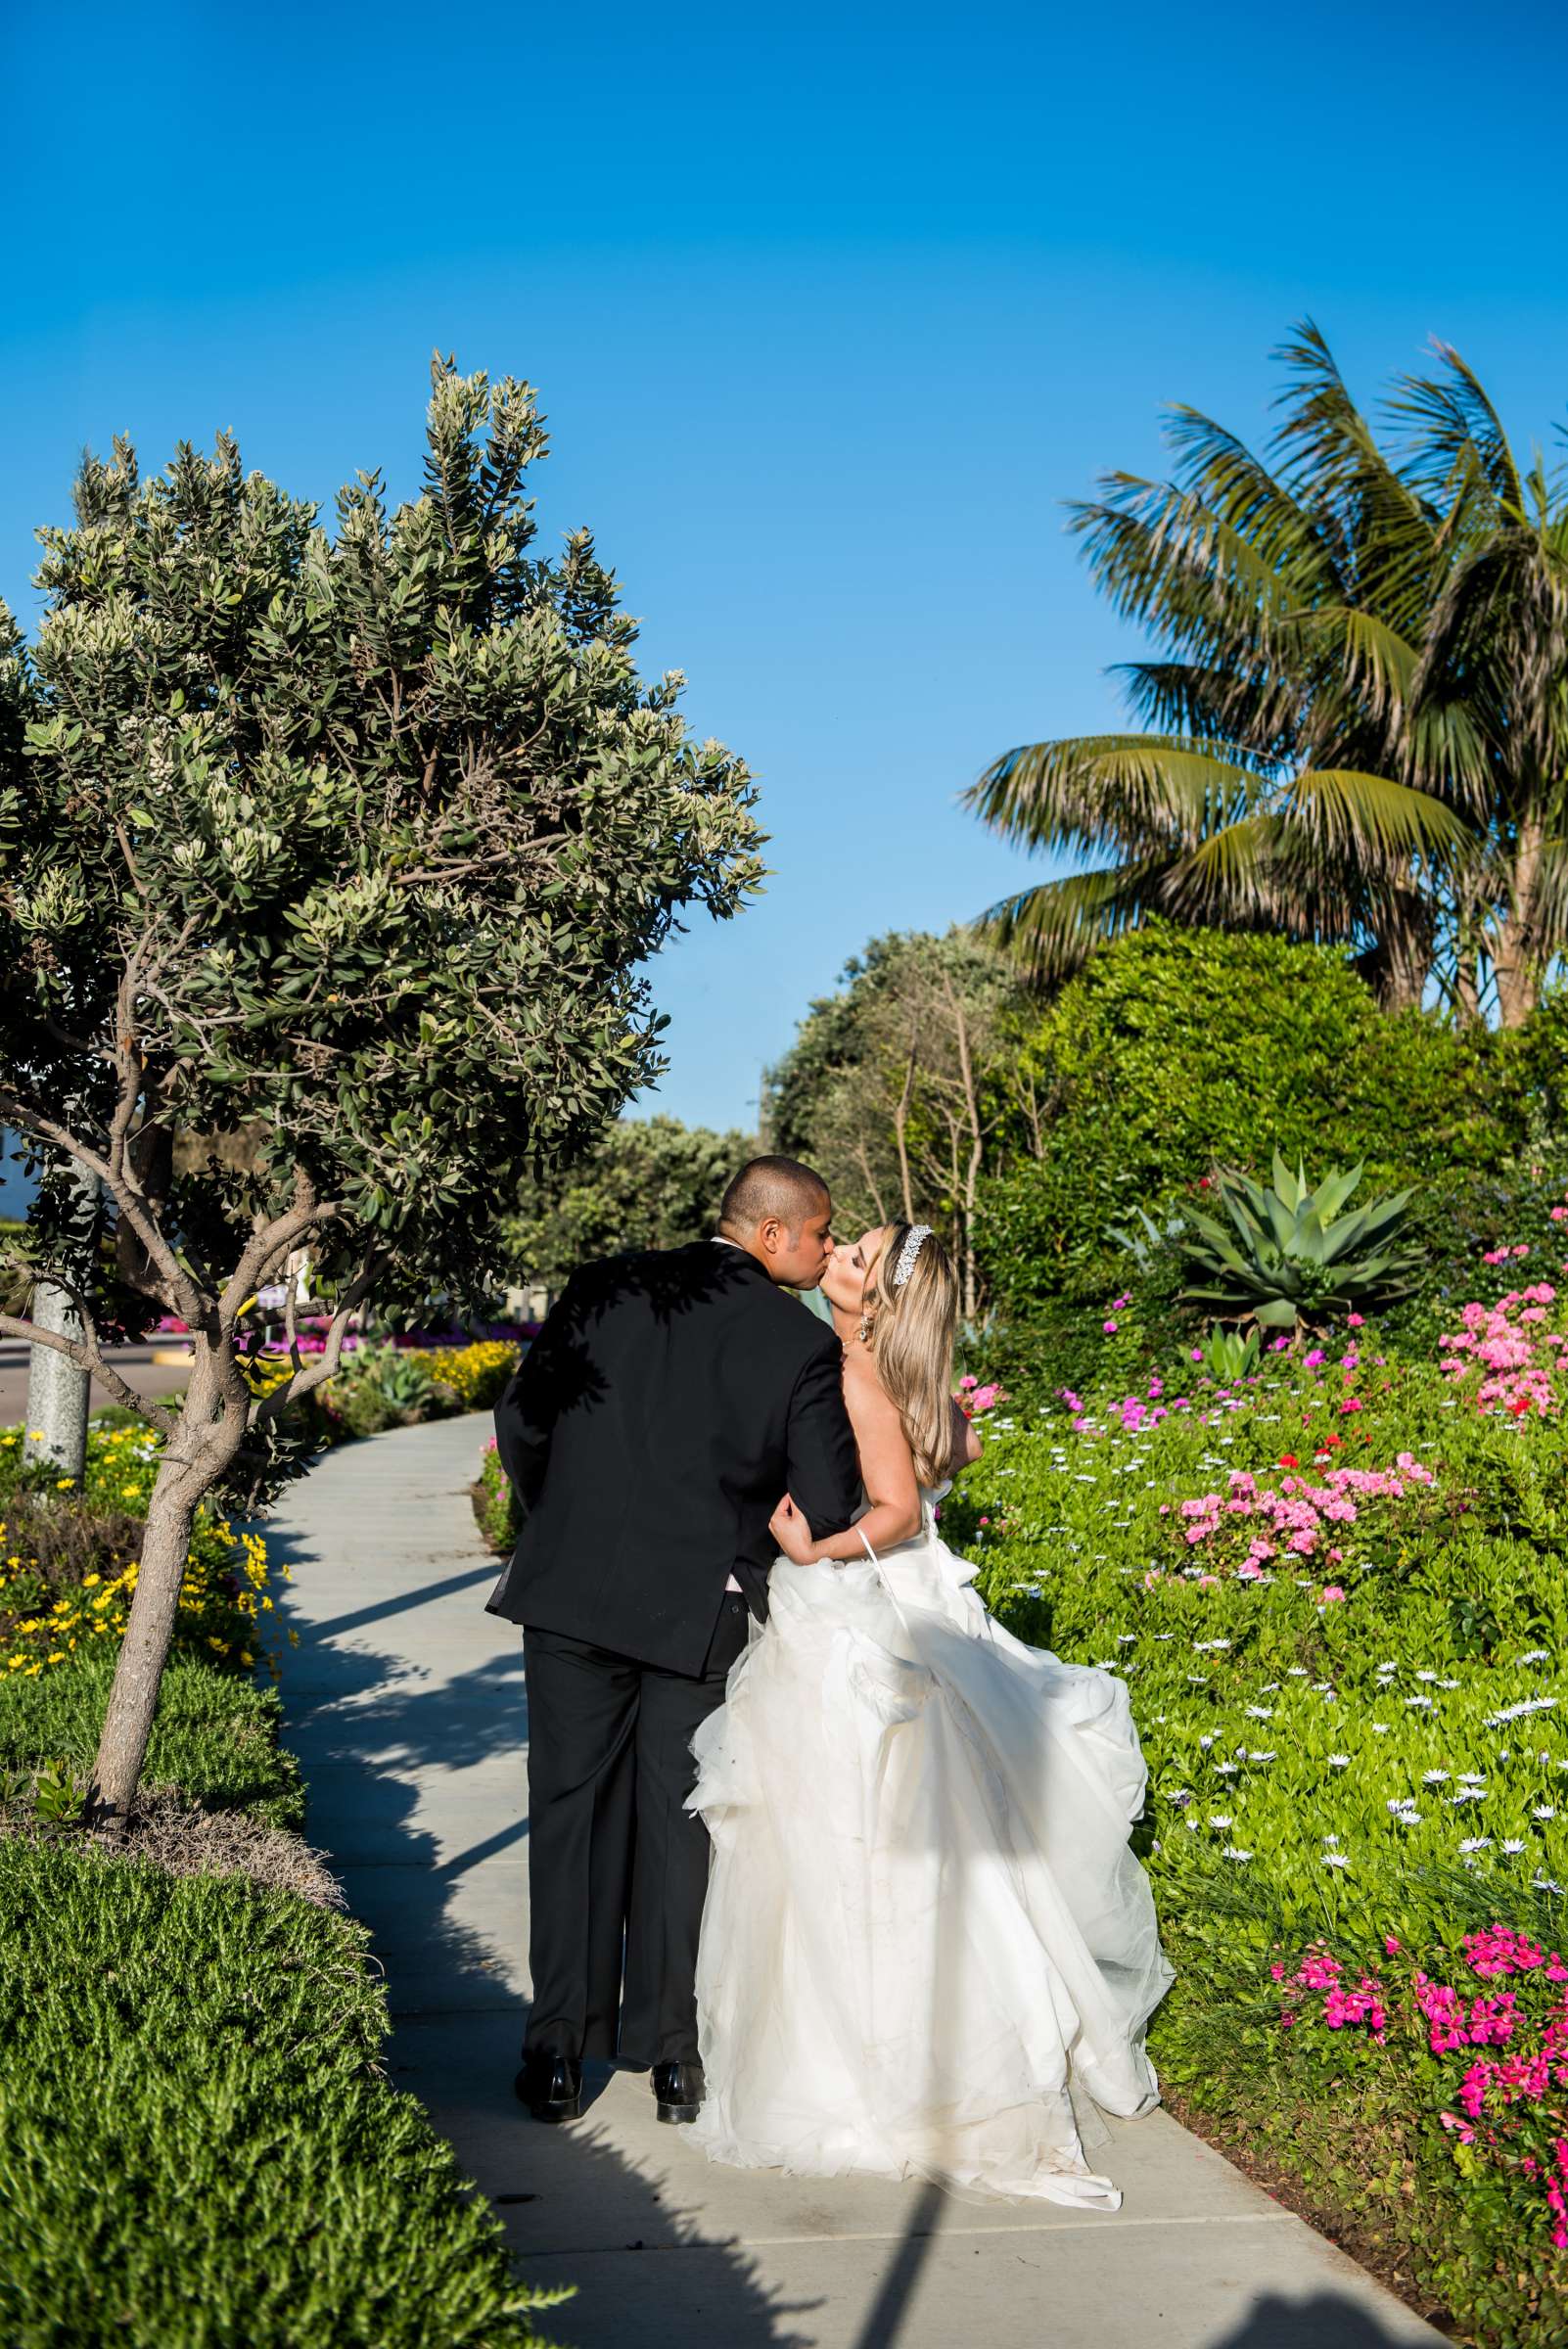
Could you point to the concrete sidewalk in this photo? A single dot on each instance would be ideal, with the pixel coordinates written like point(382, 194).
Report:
point(406, 1705)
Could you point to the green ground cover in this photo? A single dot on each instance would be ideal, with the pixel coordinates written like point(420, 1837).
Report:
point(198, 2147)
point(1336, 1593)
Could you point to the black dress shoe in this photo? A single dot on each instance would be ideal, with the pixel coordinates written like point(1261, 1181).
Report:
point(679, 2089)
point(550, 2085)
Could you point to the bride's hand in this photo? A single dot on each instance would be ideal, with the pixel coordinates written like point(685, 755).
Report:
point(791, 1531)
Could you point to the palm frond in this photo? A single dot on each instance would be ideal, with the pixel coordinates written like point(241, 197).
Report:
point(1146, 793)
point(1373, 819)
point(1052, 929)
point(1379, 664)
point(1168, 560)
point(1449, 417)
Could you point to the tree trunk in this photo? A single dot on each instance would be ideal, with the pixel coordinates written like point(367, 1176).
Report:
point(192, 1462)
point(1397, 966)
point(900, 1131)
point(1513, 961)
point(57, 1390)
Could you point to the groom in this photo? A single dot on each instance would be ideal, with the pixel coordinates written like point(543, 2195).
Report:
point(667, 1405)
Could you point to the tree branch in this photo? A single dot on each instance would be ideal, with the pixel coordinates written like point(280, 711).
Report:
point(87, 1357)
point(271, 1407)
point(181, 1293)
point(263, 1250)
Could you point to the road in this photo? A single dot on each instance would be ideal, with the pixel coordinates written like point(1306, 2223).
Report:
point(134, 1364)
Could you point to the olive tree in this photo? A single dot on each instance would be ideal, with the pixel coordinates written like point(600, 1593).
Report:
point(355, 840)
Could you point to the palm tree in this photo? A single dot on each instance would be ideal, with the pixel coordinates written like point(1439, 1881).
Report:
point(1337, 698)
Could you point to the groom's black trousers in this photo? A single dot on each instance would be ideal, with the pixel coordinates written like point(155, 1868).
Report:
point(617, 1868)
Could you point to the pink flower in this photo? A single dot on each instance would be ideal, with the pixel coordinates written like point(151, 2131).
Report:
point(1354, 1321)
point(1109, 1329)
point(1332, 1594)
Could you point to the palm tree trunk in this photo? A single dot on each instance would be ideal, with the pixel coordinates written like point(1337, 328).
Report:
point(1399, 965)
point(1513, 961)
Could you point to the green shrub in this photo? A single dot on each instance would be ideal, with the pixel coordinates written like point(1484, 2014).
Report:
point(494, 1503)
point(1176, 1052)
point(199, 2148)
point(214, 1735)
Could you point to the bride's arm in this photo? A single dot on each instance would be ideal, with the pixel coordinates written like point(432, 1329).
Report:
point(888, 1473)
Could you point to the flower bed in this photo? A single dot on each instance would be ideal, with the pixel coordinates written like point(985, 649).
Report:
point(1336, 1593)
point(67, 1574)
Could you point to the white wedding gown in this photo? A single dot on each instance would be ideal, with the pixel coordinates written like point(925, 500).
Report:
point(924, 1928)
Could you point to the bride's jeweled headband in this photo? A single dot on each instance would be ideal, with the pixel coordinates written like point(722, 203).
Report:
point(914, 1240)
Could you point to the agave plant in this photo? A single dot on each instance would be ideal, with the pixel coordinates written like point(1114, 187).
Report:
point(1295, 1255)
point(1229, 1357)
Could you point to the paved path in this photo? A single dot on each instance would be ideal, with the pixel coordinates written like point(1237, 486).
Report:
point(406, 1707)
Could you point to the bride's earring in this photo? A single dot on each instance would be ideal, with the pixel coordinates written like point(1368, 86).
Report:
point(865, 1331)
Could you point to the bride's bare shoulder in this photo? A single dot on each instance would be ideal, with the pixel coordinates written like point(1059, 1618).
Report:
point(863, 1391)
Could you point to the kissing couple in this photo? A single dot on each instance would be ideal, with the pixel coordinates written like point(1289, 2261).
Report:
point(812, 1838)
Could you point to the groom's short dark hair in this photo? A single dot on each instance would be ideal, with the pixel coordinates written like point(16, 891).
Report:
point(771, 1186)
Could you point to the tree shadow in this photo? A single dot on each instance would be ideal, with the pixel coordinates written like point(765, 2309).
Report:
point(361, 1722)
point(1324, 2321)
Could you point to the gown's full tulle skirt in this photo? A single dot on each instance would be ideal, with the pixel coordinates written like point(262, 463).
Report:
point(924, 1931)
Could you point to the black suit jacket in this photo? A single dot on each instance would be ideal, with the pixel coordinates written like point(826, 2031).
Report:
point(650, 1431)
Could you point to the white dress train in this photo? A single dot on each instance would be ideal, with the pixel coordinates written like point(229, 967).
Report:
point(924, 1928)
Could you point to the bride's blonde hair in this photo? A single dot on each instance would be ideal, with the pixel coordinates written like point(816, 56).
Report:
point(910, 1329)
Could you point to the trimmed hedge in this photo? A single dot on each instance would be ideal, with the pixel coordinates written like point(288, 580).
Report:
point(197, 2149)
point(215, 1737)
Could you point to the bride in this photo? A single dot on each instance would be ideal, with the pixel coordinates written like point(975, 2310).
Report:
point(924, 1928)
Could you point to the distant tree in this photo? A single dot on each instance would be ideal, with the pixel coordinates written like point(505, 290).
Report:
point(356, 842)
point(650, 1183)
point(890, 1088)
point(1359, 700)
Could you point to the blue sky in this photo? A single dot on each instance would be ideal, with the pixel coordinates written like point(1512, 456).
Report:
point(829, 309)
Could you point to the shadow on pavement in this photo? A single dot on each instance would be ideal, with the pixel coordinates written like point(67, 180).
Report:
point(362, 1723)
point(1324, 2321)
